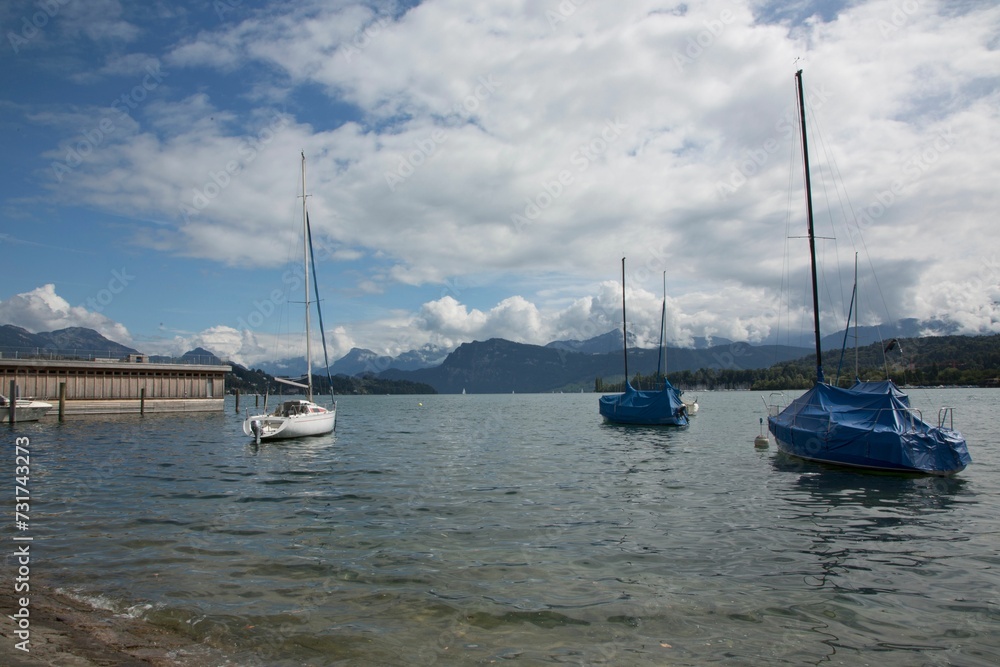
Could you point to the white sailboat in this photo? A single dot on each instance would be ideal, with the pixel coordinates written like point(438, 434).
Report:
point(299, 417)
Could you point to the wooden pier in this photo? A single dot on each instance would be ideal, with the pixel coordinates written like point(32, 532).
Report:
point(113, 386)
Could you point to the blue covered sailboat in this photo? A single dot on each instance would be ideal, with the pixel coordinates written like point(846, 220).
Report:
point(870, 425)
point(662, 407)
point(651, 408)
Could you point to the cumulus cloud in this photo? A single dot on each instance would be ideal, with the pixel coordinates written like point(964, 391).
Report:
point(530, 141)
point(42, 309)
point(446, 322)
point(100, 21)
point(513, 318)
point(496, 159)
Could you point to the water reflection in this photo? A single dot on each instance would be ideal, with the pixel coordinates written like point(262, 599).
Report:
point(827, 485)
point(301, 450)
point(866, 544)
point(642, 437)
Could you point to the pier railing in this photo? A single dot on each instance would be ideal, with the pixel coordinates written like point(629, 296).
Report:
point(52, 354)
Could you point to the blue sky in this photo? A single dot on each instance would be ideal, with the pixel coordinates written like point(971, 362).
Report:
point(479, 170)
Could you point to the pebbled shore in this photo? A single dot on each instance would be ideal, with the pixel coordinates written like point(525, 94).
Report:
point(69, 633)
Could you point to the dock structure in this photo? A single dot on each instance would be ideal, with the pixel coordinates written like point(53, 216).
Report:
point(117, 386)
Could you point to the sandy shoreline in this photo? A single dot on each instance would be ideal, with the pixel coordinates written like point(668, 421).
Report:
point(69, 633)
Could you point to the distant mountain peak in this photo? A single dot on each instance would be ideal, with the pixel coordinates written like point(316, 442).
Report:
point(601, 344)
point(200, 355)
point(71, 340)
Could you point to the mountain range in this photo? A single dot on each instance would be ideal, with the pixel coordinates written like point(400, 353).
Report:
point(612, 342)
point(495, 365)
point(362, 361)
point(501, 366)
point(359, 361)
point(71, 341)
point(866, 335)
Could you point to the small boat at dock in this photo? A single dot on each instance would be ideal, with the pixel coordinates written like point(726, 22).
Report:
point(25, 409)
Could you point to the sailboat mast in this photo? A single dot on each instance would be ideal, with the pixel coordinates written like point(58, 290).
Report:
point(624, 323)
point(857, 307)
point(663, 331)
point(305, 264)
point(812, 235)
point(851, 311)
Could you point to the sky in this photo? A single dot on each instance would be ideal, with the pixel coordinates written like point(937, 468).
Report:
point(479, 170)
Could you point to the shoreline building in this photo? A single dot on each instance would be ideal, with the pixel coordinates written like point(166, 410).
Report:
point(133, 384)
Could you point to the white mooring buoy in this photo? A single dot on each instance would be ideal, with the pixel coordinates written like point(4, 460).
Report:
point(761, 440)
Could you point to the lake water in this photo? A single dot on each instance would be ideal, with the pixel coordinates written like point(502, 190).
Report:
point(519, 529)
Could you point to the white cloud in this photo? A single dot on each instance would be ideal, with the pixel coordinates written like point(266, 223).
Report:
point(132, 65)
point(98, 20)
point(510, 142)
point(446, 322)
point(42, 309)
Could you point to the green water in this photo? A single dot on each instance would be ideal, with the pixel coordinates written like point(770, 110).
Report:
point(459, 530)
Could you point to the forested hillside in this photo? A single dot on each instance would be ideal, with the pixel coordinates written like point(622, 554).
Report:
point(938, 360)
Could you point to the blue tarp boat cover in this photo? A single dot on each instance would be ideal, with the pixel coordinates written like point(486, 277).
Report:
point(658, 408)
point(869, 425)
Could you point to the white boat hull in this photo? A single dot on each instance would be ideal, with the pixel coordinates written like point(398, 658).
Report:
point(26, 410)
point(283, 424)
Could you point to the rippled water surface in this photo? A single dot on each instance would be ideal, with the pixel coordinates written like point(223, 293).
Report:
point(456, 530)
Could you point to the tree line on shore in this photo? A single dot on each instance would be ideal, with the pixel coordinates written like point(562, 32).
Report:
point(940, 360)
point(256, 381)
